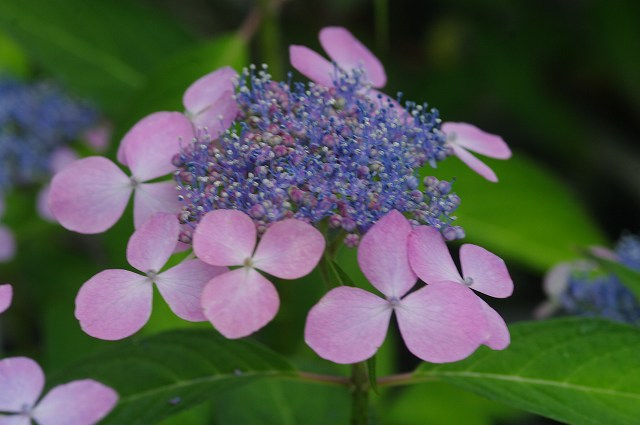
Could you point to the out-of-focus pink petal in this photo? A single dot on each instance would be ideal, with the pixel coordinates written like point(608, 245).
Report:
point(471, 137)
point(42, 204)
point(62, 157)
point(348, 325)
point(90, 195)
point(211, 97)
point(152, 143)
point(15, 420)
point(557, 279)
point(121, 154)
point(240, 302)
point(442, 322)
point(289, 249)
point(474, 163)
point(152, 198)
point(7, 244)
point(225, 238)
point(152, 244)
point(345, 50)
point(312, 65)
point(382, 255)
point(429, 256)
point(181, 287)
point(98, 137)
point(82, 402)
point(6, 296)
point(499, 337)
point(21, 382)
point(114, 304)
point(485, 271)
point(604, 253)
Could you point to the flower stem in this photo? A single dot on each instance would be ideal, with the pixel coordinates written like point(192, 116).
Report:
point(359, 394)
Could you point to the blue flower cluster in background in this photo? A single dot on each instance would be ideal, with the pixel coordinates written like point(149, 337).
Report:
point(35, 120)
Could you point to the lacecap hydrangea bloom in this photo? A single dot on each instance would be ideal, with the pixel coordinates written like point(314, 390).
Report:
point(272, 176)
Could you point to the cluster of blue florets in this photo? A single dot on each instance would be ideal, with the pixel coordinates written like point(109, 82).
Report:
point(35, 119)
point(600, 294)
point(311, 152)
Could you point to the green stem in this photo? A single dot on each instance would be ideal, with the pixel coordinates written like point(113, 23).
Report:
point(270, 39)
point(359, 394)
point(381, 8)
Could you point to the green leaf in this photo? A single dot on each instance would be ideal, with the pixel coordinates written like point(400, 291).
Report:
point(13, 61)
point(529, 215)
point(161, 375)
point(575, 370)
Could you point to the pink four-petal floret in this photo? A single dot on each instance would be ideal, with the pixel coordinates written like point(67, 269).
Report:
point(242, 301)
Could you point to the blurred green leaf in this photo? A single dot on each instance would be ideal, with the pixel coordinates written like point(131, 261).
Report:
point(529, 215)
point(12, 59)
point(575, 370)
point(164, 374)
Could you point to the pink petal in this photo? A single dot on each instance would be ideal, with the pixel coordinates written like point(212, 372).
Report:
point(348, 325)
point(62, 157)
point(153, 142)
point(289, 249)
point(121, 155)
point(499, 337)
point(114, 304)
point(211, 97)
point(239, 302)
point(7, 244)
point(219, 116)
point(21, 382)
point(345, 50)
point(604, 253)
point(98, 137)
point(442, 322)
point(15, 420)
point(152, 244)
point(556, 280)
point(6, 295)
point(382, 255)
point(82, 402)
point(312, 65)
point(486, 270)
point(474, 163)
point(181, 287)
point(90, 195)
point(471, 137)
point(429, 256)
point(225, 238)
point(152, 198)
point(42, 203)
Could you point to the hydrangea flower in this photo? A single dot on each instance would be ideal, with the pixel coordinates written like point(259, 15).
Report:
point(115, 304)
point(6, 296)
point(241, 301)
point(90, 195)
point(81, 402)
point(483, 271)
point(440, 322)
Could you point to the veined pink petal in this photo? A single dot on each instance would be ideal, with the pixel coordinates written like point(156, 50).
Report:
point(152, 198)
point(114, 304)
point(430, 258)
point(348, 325)
point(382, 255)
point(152, 143)
point(474, 163)
point(499, 337)
point(312, 65)
point(289, 249)
point(210, 97)
point(90, 195)
point(21, 382)
point(152, 244)
point(225, 238)
point(345, 50)
point(181, 287)
point(82, 402)
point(485, 271)
point(15, 420)
point(219, 116)
point(7, 244)
point(442, 322)
point(240, 302)
point(6, 296)
point(471, 137)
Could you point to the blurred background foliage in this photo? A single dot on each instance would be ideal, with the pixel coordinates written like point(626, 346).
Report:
point(559, 80)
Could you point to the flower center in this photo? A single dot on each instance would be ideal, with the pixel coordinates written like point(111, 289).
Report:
point(248, 262)
point(468, 281)
point(394, 302)
point(134, 182)
point(152, 275)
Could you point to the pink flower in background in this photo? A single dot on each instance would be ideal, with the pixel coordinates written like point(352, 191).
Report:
point(242, 301)
point(98, 137)
point(115, 304)
point(441, 322)
point(7, 240)
point(90, 195)
point(463, 137)
point(343, 49)
point(6, 296)
point(81, 402)
point(483, 271)
point(60, 158)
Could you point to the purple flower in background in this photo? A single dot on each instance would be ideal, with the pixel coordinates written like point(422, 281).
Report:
point(81, 402)
point(6, 296)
